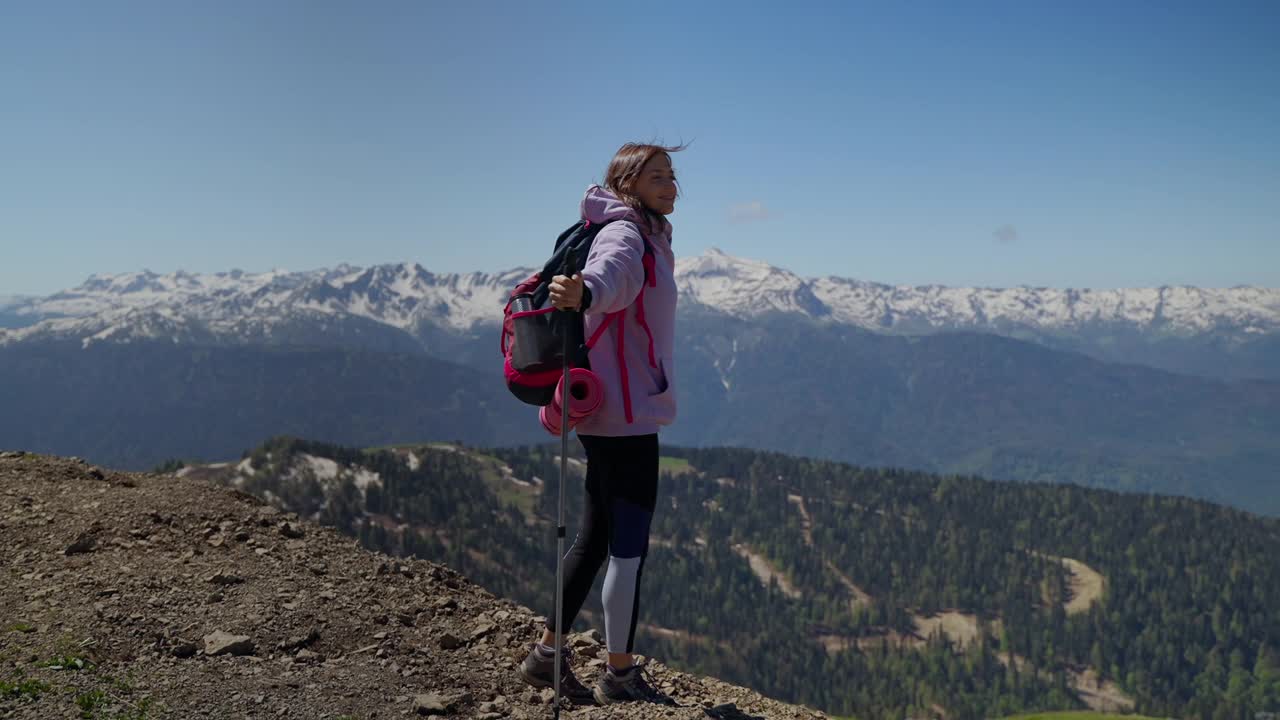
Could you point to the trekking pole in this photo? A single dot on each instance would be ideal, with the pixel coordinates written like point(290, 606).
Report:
point(570, 267)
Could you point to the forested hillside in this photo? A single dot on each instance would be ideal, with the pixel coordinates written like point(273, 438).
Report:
point(874, 592)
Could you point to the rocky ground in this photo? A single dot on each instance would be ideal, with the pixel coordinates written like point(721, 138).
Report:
point(136, 596)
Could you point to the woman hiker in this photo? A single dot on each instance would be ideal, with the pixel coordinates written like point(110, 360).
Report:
point(621, 438)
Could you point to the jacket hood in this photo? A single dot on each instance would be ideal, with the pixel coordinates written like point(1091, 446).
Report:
point(600, 206)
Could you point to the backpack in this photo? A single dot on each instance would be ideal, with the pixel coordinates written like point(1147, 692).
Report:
point(532, 340)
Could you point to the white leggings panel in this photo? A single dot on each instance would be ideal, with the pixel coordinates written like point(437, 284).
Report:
point(621, 601)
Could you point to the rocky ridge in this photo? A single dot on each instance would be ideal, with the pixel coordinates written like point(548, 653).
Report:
point(407, 299)
point(130, 595)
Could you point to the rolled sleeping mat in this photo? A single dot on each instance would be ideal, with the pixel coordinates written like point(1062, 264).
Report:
point(585, 394)
point(549, 416)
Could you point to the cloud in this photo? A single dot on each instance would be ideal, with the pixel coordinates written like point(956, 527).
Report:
point(754, 211)
point(1006, 234)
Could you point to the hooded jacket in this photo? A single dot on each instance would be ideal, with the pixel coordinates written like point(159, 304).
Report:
point(614, 273)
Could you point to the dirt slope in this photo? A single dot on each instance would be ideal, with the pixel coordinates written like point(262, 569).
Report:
point(151, 596)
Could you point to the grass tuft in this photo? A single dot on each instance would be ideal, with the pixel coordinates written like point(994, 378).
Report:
point(22, 689)
point(65, 662)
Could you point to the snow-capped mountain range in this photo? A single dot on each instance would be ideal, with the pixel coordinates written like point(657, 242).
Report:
point(238, 306)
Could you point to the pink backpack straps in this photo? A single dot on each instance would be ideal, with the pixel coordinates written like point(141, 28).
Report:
point(650, 280)
point(622, 361)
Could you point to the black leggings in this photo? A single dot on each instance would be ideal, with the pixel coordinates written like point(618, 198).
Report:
point(622, 490)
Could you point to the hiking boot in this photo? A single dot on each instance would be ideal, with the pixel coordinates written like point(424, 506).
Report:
point(539, 671)
point(630, 685)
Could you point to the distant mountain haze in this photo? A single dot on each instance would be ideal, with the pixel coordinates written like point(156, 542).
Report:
point(1169, 390)
point(1229, 332)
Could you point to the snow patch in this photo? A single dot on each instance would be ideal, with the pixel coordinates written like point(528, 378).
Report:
point(510, 474)
point(364, 478)
point(322, 468)
point(330, 474)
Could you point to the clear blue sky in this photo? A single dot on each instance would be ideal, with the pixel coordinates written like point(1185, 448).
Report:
point(1083, 144)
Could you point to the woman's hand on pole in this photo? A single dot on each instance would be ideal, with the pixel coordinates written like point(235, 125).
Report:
point(566, 292)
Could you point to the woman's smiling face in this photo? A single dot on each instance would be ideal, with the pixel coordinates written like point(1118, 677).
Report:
point(656, 185)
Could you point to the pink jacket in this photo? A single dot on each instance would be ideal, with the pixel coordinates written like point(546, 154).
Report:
point(615, 274)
